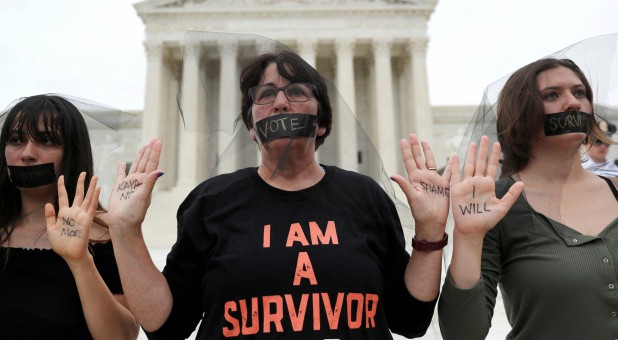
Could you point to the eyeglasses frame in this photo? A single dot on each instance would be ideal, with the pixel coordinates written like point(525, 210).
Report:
point(252, 90)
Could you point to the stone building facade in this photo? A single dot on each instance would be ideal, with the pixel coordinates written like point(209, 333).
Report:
point(374, 51)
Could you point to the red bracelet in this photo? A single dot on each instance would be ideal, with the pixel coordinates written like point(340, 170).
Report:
point(430, 246)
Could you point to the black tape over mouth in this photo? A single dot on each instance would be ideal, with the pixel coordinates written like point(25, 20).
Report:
point(566, 122)
point(286, 125)
point(32, 176)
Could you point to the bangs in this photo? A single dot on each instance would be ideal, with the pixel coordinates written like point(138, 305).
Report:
point(27, 122)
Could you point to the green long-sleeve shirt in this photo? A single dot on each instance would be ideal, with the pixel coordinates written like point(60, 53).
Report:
point(556, 283)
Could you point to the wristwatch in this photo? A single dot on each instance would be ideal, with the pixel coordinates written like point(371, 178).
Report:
point(430, 246)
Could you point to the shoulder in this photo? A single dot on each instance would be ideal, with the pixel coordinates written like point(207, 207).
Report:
point(223, 181)
point(217, 185)
point(339, 174)
point(99, 231)
point(613, 180)
point(346, 183)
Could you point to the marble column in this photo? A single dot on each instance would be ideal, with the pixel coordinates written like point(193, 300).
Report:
point(385, 107)
point(345, 120)
point(154, 95)
point(229, 101)
point(307, 48)
point(155, 117)
point(192, 141)
point(422, 116)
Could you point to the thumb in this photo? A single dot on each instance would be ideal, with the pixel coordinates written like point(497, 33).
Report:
point(50, 216)
point(151, 179)
point(405, 186)
point(511, 196)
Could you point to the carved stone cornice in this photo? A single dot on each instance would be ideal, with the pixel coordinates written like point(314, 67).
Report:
point(274, 8)
point(233, 3)
point(331, 23)
point(288, 19)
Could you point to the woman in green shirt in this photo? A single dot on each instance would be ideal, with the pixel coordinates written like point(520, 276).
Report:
point(551, 245)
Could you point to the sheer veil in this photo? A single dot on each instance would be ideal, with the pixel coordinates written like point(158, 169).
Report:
point(104, 125)
point(597, 57)
point(214, 117)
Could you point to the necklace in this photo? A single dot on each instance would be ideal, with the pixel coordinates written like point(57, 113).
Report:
point(31, 212)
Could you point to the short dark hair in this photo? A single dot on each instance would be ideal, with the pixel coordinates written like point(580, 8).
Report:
point(293, 68)
point(520, 111)
point(65, 126)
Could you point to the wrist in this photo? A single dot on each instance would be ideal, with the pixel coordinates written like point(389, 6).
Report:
point(433, 232)
point(78, 264)
point(468, 238)
point(424, 245)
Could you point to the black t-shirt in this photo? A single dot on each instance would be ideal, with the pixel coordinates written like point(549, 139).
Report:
point(38, 295)
point(257, 262)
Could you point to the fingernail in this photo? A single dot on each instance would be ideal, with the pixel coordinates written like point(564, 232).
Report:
point(161, 174)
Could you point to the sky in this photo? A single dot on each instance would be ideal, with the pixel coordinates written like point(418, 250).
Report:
point(94, 49)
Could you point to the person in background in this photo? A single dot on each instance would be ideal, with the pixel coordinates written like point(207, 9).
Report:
point(58, 276)
point(597, 151)
point(291, 248)
point(546, 232)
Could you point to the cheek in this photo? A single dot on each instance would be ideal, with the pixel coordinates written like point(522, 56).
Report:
point(11, 155)
point(313, 106)
point(259, 112)
point(310, 107)
point(549, 108)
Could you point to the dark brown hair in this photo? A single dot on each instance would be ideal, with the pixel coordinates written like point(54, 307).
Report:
point(520, 112)
point(293, 68)
point(65, 126)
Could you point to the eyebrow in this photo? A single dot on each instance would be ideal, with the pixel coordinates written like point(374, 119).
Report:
point(578, 86)
point(269, 84)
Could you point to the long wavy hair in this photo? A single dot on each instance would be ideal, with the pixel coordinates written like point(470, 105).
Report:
point(520, 112)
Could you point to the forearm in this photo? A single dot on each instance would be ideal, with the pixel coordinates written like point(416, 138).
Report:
point(424, 270)
point(469, 293)
point(422, 275)
point(465, 313)
point(105, 316)
point(465, 264)
point(146, 289)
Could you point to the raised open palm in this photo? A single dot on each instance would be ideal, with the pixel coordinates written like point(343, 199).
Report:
point(476, 209)
point(426, 190)
point(70, 232)
point(132, 192)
